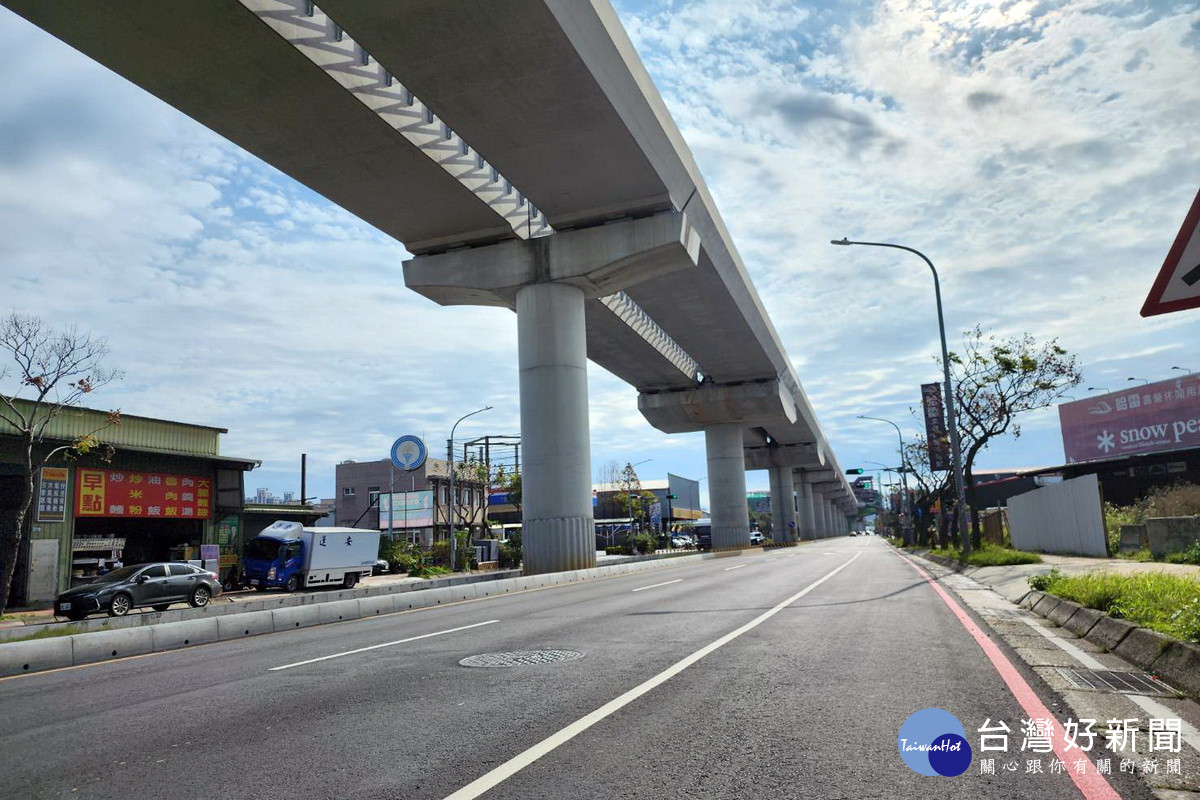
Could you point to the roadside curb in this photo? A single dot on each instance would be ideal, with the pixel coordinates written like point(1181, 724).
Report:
point(172, 630)
point(1175, 661)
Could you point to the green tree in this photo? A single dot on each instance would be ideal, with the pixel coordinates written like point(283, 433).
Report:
point(996, 379)
point(56, 368)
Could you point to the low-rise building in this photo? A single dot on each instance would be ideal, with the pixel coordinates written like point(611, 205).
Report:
point(166, 493)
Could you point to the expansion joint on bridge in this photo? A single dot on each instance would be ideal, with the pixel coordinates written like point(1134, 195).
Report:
point(641, 323)
point(303, 25)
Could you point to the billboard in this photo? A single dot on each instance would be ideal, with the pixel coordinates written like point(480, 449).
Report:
point(113, 493)
point(1143, 419)
point(411, 509)
point(935, 426)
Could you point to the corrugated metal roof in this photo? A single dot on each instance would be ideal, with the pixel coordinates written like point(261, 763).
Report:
point(134, 432)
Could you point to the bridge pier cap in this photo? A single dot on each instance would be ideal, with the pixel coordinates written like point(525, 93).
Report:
point(599, 261)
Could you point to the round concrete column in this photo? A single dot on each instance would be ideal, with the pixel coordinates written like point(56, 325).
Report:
point(808, 514)
point(820, 521)
point(830, 522)
point(727, 486)
point(559, 532)
point(783, 505)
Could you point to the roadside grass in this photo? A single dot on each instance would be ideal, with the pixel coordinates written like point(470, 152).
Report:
point(1165, 603)
point(989, 555)
point(47, 633)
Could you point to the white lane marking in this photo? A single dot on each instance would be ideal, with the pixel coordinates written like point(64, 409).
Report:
point(739, 566)
point(385, 644)
point(655, 586)
point(514, 765)
point(1147, 704)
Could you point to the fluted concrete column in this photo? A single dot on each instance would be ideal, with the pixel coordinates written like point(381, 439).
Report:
point(808, 513)
point(783, 505)
point(727, 486)
point(819, 521)
point(829, 514)
point(559, 532)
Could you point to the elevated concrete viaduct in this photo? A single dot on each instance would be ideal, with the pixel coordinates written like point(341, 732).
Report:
point(520, 151)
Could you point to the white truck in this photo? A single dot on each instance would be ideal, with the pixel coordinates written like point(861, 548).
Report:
point(290, 556)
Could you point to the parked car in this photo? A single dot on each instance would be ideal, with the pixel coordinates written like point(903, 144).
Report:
point(681, 541)
point(381, 567)
point(154, 585)
point(756, 538)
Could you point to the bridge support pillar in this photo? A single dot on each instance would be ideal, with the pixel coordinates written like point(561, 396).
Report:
point(820, 521)
point(783, 506)
point(727, 486)
point(558, 530)
point(808, 515)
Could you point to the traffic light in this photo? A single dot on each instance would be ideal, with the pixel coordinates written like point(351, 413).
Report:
point(858, 471)
point(672, 497)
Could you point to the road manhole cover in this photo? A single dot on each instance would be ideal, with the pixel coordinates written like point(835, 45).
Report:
point(1102, 680)
point(520, 658)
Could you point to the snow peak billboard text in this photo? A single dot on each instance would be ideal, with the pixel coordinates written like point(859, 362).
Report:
point(1143, 419)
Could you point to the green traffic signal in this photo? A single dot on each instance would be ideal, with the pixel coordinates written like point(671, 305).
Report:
point(854, 471)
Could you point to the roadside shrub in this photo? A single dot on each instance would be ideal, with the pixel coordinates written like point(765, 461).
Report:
point(400, 554)
point(643, 542)
point(617, 550)
point(440, 553)
point(511, 552)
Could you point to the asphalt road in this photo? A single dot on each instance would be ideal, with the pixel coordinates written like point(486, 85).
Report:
point(783, 674)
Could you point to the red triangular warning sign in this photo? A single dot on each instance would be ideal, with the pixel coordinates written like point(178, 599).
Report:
point(1178, 284)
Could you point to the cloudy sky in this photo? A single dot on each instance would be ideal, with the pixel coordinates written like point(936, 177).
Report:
point(1043, 154)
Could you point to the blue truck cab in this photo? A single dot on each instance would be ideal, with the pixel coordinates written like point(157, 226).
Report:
point(289, 556)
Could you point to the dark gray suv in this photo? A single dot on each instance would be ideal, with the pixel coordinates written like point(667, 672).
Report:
point(154, 585)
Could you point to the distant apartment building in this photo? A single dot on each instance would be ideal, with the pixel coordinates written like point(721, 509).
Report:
point(415, 504)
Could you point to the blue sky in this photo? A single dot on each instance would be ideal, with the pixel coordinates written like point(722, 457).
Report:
point(1043, 154)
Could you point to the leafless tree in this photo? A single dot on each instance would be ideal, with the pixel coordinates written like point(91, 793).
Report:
point(56, 369)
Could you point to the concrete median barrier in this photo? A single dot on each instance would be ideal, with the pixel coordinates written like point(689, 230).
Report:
point(107, 645)
point(174, 635)
point(239, 626)
point(293, 617)
point(18, 658)
point(338, 610)
point(375, 605)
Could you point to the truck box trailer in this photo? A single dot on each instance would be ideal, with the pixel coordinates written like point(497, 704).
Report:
point(290, 556)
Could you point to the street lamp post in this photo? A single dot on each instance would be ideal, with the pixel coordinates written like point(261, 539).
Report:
point(450, 505)
point(905, 517)
point(1144, 381)
point(951, 416)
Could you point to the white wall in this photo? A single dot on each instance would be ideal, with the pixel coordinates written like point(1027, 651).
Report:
point(1062, 518)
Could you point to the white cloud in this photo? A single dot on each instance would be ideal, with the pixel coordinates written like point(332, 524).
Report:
point(1041, 153)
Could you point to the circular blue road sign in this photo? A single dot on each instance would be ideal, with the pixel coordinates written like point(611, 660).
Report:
point(408, 452)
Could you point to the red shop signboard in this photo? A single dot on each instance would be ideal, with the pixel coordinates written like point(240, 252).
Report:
point(1142, 419)
point(110, 493)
